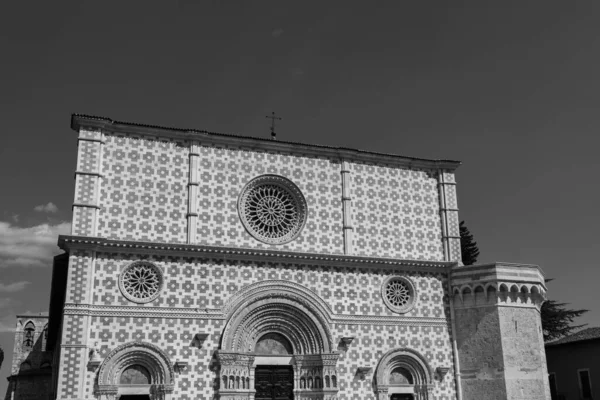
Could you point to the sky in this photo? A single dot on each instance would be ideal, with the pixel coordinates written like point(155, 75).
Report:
point(510, 88)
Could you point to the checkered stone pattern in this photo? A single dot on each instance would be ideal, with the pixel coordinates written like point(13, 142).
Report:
point(144, 193)
point(451, 201)
point(223, 173)
point(85, 189)
point(449, 177)
point(71, 357)
point(373, 341)
point(202, 283)
point(78, 277)
point(454, 233)
point(89, 156)
point(396, 213)
point(90, 134)
point(83, 221)
point(208, 283)
point(175, 336)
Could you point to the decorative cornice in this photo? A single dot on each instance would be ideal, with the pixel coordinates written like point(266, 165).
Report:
point(68, 243)
point(79, 121)
point(218, 314)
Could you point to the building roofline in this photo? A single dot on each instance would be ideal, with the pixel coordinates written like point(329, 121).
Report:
point(257, 143)
point(557, 344)
point(584, 335)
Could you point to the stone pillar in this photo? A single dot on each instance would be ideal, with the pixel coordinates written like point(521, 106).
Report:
point(88, 180)
point(236, 366)
point(498, 331)
point(347, 208)
point(193, 182)
point(449, 216)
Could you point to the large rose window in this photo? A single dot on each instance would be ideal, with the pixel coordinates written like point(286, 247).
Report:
point(272, 209)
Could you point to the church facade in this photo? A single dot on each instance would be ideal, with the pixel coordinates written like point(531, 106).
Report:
point(213, 266)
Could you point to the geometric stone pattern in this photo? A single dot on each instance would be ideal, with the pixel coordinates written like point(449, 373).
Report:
point(89, 152)
point(207, 283)
point(144, 191)
point(71, 357)
point(83, 221)
point(143, 196)
point(140, 185)
point(174, 336)
point(224, 172)
point(78, 277)
point(396, 213)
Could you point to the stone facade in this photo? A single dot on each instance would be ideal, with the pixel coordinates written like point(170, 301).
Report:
point(193, 254)
point(31, 369)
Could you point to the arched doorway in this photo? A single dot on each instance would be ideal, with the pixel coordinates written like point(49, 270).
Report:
point(273, 374)
point(278, 339)
point(136, 371)
point(403, 374)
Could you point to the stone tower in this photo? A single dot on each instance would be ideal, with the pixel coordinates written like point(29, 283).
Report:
point(498, 331)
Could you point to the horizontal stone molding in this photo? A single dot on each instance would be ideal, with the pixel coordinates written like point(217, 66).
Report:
point(89, 173)
point(91, 139)
point(218, 314)
point(69, 242)
point(86, 205)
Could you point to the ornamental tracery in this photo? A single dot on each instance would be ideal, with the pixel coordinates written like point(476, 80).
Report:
point(404, 369)
point(141, 282)
point(398, 293)
point(272, 209)
point(142, 357)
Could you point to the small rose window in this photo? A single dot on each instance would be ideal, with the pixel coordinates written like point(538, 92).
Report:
point(141, 282)
point(398, 294)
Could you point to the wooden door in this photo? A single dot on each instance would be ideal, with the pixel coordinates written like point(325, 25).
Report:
point(401, 396)
point(274, 383)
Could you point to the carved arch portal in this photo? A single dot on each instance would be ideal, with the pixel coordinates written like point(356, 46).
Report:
point(278, 308)
point(146, 355)
point(416, 367)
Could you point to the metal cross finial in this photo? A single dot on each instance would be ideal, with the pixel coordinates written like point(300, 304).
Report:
point(273, 118)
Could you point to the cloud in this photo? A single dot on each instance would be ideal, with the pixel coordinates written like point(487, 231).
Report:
point(48, 208)
point(30, 247)
point(13, 287)
point(277, 32)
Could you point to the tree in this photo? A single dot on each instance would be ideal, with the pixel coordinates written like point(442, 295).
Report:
point(557, 320)
point(468, 246)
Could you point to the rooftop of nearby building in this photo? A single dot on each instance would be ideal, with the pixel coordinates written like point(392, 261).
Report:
point(582, 335)
point(258, 143)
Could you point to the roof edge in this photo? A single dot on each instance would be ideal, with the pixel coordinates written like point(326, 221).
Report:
point(257, 143)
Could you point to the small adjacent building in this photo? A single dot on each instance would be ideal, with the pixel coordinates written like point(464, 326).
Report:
point(574, 366)
point(31, 373)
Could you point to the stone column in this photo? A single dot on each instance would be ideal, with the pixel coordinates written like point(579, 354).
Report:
point(88, 180)
point(193, 182)
point(449, 216)
point(347, 208)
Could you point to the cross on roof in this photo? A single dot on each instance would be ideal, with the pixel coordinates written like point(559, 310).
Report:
point(273, 118)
